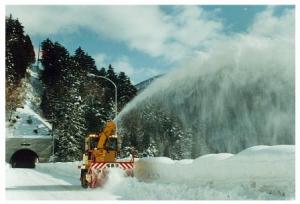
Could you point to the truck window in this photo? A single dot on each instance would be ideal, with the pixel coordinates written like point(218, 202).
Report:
point(111, 144)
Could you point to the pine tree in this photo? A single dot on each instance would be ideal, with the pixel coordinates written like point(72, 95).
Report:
point(19, 55)
point(154, 131)
point(92, 91)
point(86, 62)
point(126, 91)
point(111, 74)
point(29, 50)
point(109, 91)
point(72, 128)
point(102, 72)
point(55, 58)
point(93, 97)
point(19, 48)
point(62, 102)
point(75, 99)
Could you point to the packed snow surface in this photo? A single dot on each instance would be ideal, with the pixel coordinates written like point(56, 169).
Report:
point(260, 172)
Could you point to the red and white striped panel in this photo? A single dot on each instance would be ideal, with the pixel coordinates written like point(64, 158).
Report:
point(98, 165)
point(122, 165)
point(126, 165)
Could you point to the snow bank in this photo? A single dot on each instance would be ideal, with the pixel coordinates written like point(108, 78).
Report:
point(260, 172)
point(269, 169)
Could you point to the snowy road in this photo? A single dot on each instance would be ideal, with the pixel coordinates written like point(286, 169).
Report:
point(259, 172)
point(32, 184)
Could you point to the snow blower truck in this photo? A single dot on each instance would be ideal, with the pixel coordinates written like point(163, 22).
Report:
point(100, 156)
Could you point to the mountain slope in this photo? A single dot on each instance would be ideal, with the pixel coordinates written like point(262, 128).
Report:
point(27, 120)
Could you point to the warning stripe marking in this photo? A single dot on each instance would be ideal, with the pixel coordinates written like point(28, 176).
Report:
point(127, 165)
point(122, 165)
point(98, 165)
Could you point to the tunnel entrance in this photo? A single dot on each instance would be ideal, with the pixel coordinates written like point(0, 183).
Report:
point(24, 158)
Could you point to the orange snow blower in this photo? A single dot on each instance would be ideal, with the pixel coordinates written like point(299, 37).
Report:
point(100, 156)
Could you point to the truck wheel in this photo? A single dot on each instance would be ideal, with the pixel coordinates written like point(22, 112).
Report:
point(84, 182)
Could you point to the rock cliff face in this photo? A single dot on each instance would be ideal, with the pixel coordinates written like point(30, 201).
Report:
point(27, 130)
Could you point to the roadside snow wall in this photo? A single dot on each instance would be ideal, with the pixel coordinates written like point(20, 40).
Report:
point(270, 169)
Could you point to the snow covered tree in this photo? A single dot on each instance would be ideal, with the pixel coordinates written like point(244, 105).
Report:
point(126, 91)
point(155, 131)
point(70, 132)
point(19, 55)
point(110, 90)
point(92, 91)
point(93, 97)
point(19, 49)
point(75, 100)
point(62, 103)
point(55, 59)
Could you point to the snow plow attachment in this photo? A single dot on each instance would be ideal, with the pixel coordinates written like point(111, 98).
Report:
point(101, 151)
point(97, 174)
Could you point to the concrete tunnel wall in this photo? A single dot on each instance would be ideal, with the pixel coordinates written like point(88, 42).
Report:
point(42, 147)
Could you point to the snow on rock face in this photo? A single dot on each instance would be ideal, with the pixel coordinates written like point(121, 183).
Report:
point(28, 124)
point(27, 121)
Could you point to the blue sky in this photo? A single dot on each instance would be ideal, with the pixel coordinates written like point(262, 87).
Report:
point(143, 41)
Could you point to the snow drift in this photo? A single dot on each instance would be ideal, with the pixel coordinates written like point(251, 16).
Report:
point(259, 165)
point(259, 172)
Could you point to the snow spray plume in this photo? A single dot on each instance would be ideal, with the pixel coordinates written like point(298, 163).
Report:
point(115, 179)
point(238, 94)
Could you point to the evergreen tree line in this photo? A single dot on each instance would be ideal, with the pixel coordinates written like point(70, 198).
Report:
point(78, 103)
point(19, 55)
point(76, 100)
point(153, 130)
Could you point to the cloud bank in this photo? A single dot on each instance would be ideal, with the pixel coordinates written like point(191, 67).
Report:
point(173, 35)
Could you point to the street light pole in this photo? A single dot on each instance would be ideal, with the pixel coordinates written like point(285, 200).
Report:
point(52, 132)
point(116, 96)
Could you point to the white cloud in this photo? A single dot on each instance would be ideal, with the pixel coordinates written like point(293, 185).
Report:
point(174, 36)
point(145, 28)
point(274, 26)
point(193, 26)
point(136, 74)
point(101, 60)
point(123, 65)
point(45, 20)
point(149, 72)
point(120, 64)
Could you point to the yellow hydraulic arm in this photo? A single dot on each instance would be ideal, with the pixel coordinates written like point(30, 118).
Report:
point(109, 130)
